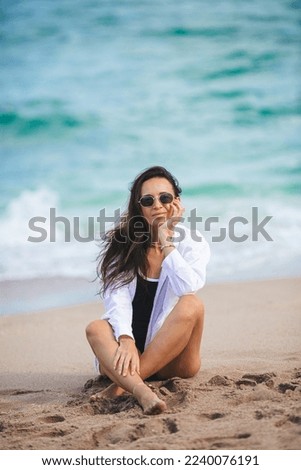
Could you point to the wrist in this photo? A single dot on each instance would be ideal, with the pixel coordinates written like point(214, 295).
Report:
point(167, 245)
point(166, 237)
point(123, 338)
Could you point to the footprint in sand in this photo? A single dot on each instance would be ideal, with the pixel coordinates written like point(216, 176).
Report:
point(26, 392)
point(55, 433)
point(171, 425)
point(259, 414)
point(96, 382)
point(175, 392)
point(297, 374)
point(252, 380)
point(128, 433)
point(243, 435)
point(283, 387)
point(220, 380)
point(225, 442)
point(248, 382)
point(260, 378)
point(53, 419)
point(295, 419)
point(114, 405)
point(214, 416)
point(293, 385)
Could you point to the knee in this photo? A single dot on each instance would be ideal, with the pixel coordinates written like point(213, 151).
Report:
point(193, 307)
point(95, 328)
point(91, 328)
point(197, 304)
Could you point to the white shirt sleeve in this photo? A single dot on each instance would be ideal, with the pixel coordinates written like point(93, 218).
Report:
point(186, 265)
point(118, 310)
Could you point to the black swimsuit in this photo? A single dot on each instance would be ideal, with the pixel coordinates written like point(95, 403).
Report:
point(142, 309)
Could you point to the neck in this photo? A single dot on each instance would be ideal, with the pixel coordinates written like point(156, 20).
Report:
point(154, 236)
point(155, 243)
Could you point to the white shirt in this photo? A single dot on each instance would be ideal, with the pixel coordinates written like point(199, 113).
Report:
point(183, 272)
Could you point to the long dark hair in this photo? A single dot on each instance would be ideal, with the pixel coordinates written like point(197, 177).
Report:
point(124, 250)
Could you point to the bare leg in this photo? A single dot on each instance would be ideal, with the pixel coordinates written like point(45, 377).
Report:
point(176, 332)
point(175, 350)
point(104, 345)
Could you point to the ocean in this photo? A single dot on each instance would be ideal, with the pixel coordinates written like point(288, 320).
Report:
point(93, 92)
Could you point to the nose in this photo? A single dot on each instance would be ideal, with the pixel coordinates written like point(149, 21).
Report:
point(157, 202)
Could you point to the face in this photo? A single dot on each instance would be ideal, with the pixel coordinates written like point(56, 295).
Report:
point(158, 212)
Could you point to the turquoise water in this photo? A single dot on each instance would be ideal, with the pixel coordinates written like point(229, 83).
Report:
point(92, 92)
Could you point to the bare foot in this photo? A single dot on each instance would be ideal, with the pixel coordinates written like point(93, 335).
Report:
point(112, 391)
point(151, 404)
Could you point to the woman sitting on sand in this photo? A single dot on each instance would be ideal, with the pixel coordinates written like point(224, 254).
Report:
point(151, 268)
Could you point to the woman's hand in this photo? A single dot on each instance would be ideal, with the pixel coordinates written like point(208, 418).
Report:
point(166, 230)
point(126, 357)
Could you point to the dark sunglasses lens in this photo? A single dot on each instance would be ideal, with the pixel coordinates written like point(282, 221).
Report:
point(166, 198)
point(147, 201)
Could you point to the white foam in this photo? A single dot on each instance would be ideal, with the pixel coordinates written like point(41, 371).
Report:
point(21, 259)
point(260, 259)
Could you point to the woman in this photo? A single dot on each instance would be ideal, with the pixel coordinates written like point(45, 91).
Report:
point(151, 268)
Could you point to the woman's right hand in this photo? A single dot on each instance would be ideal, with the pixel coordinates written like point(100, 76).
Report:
point(126, 357)
point(166, 230)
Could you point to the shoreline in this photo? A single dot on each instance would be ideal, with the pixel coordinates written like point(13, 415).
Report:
point(246, 395)
point(26, 296)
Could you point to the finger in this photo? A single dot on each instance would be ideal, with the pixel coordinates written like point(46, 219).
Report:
point(126, 364)
point(179, 207)
point(135, 366)
point(174, 219)
point(138, 365)
point(116, 359)
point(120, 364)
point(176, 208)
point(178, 211)
point(170, 223)
point(178, 203)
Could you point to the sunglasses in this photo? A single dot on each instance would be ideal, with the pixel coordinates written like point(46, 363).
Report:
point(148, 201)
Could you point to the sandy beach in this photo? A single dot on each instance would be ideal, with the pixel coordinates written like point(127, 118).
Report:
point(246, 396)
